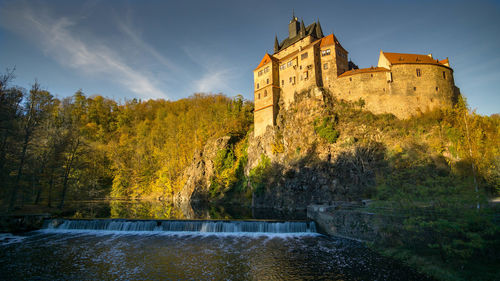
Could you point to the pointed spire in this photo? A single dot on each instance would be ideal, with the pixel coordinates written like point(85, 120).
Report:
point(302, 28)
point(276, 44)
point(319, 31)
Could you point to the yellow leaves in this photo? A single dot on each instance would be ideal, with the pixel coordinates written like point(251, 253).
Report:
point(157, 138)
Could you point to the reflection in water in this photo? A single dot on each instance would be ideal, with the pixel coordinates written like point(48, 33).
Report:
point(104, 256)
point(143, 209)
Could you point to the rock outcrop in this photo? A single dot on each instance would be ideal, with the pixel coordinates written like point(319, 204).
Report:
point(198, 175)
point(307, 169)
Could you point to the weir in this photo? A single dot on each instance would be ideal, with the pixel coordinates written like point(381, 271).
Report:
point(216, 226)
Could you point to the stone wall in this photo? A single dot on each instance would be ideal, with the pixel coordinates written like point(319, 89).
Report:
point(302, 73)
point(343, 219)
point(399, 91)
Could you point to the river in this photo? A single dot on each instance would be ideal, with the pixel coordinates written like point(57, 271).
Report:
point(207, 249)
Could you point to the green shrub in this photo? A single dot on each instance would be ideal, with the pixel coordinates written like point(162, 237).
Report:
point(326, 130)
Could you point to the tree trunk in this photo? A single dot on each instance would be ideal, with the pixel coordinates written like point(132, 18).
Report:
point(67, 172)
point(15, 187)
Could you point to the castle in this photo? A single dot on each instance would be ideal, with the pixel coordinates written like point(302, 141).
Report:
point(401, 84)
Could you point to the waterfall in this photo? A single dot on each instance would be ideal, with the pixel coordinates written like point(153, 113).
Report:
point(182, 225)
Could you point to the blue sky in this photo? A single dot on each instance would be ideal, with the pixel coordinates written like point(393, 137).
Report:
point(172, 49)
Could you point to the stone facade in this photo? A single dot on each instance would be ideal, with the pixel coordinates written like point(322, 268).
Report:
point(401, 84)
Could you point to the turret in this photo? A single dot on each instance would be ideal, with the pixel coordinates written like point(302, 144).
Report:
point(276, 44)
point(319, 31)
point(293, 27)
point(302, 29)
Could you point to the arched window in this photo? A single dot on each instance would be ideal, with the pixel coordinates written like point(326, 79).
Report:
point(265, 93)
point(258, 96)
point(257, 85)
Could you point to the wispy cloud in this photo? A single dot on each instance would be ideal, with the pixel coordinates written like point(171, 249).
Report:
point(217, 75)
point(60, 40)
point(135, 38)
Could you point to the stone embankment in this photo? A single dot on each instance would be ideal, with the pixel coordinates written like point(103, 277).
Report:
point(21, 223)
point(351, 220)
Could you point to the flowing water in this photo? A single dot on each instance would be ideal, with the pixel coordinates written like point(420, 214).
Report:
point(189, 250)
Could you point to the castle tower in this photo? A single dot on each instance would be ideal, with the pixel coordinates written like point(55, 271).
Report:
point(293, 27)
point(266, 93)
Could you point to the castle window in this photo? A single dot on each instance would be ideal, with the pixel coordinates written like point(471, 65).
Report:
point(293, 80)
point(371, 75)
point(258, 97)
point(444, 75)
point(437, 88)
point(265, 93)
point(283, 67)
point(350, 78)
point(325, 66)
point(303, 56)
point(267, 81)
point(414, 88)
point(290, 80)
point(257, 85)
point(289, 64)
point(419, 73)
point(266, 70)
point(306, 75)
point(260, 73)
point(325, 52)
point(282, 82)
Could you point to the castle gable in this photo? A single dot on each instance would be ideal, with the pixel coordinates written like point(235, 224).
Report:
point(330, 40)
point(266, 59)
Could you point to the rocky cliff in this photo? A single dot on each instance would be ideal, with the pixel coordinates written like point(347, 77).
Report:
point(312, 162)
point(197, 176)
point(304, 159)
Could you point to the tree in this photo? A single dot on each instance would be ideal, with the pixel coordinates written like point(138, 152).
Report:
point(34, 111)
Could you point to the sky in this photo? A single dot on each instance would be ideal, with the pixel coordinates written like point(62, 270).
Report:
point(173, 49)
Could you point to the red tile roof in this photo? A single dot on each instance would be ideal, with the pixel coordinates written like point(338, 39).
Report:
point(445, 61)
point(398, 58)
point(330, 40)
point(364, 70)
